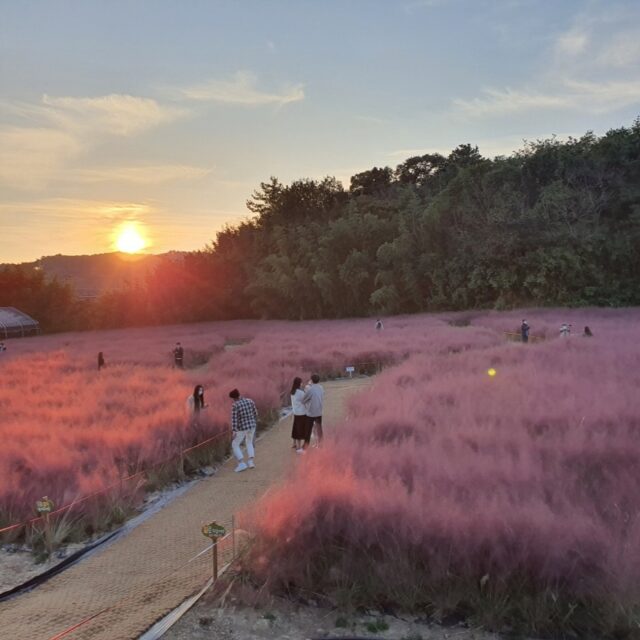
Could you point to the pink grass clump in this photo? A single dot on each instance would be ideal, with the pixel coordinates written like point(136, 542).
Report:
point(443, 477)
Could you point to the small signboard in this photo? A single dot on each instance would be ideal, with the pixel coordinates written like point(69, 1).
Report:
point(349, 369)
point(213, 531)
point(45, 505)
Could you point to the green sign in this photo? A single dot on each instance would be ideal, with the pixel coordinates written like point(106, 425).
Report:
point(45, 505)
point(214, 531)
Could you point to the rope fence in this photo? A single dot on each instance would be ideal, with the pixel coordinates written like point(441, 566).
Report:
point(46, 518)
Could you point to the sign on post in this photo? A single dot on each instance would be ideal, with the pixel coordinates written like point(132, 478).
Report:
point(350, 371)
point(45, 505)
point(214, 531)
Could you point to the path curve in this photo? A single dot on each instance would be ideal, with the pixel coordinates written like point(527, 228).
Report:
point(121, 590)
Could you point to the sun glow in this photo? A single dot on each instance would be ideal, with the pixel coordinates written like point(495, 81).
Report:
point(129, 239)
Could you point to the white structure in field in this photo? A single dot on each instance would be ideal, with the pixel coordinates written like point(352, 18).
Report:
point(15, 324)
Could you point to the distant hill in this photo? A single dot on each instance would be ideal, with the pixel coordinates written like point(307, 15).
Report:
point(94, 274)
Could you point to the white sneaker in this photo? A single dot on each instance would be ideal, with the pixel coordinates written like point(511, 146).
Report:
point(299, 450)
point(241, 467)
point(251, 464)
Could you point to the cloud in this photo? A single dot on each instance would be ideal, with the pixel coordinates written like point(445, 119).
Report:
point(573, 42)
point(58, 210)
point(46, 136)
point(241, 90)
point(590, 67)
point(31, 157)
point(417, 5)
point(143, 175)
point(592, 97)
point(497, 102)
point(114, 114)
point(623, 51)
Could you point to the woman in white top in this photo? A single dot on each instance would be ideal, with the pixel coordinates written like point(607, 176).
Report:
point(195, 404)
point(300, 426)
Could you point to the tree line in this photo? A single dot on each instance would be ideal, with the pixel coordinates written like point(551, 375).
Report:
point(555, 223)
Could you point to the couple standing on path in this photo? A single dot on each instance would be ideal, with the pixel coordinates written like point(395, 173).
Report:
point(307, 406)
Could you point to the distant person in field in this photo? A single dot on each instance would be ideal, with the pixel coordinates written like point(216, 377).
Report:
point(587, 333)
point(2, 347)
point(565, 330)
point(178, 356)
point(100, 360)
point(196, 403)
point(314, 400)
point(524, 331)
point(244, 421)
point(379, 325)
point(300, 431)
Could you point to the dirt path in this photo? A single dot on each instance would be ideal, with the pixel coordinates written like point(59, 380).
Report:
point(121, 590)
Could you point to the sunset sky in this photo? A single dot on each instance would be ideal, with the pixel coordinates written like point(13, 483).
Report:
point(168, 113)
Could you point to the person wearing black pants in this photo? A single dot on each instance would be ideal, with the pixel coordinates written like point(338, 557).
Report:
point(313, 400)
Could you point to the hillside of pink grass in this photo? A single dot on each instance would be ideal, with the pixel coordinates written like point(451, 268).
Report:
point(442, 475)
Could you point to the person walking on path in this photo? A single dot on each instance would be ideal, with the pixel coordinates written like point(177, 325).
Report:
point(101, 362)
point(195, 404)
point(524, 331)
point(587, 333)
point(300, 431)
point(379, 325)
point(244, 420)
point(565, 330)
point(313, 400)
point(178, 356)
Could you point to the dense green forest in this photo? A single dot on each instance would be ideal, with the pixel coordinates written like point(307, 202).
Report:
point(556, 223)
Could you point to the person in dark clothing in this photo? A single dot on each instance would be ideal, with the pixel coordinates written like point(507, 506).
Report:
point(301, 431)
point(524, 331)
point(587, 333)
point(178, 356)
point(101, 362)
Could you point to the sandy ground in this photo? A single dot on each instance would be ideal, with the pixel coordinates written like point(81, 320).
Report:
point(285, 621)
point(18, 566)
point(119, 591)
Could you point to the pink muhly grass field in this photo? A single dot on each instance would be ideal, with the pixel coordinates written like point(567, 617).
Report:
point(514, 497)
point(69, 430)
point(444, 489)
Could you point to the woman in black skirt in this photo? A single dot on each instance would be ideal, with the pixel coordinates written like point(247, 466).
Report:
point(300, 423)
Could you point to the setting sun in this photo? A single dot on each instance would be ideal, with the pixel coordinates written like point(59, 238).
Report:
point(129, 240)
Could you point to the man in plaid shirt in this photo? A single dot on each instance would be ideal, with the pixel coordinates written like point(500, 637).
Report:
point(244, 420)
